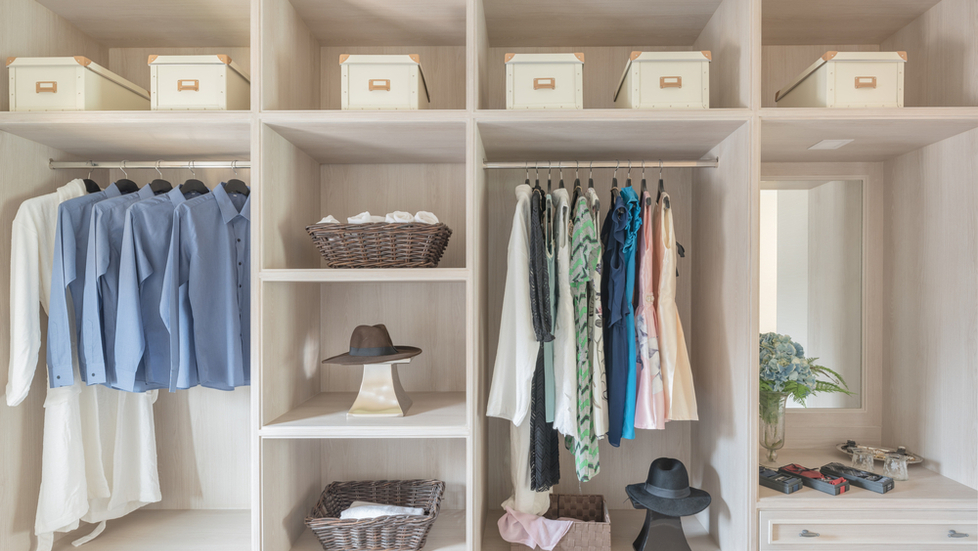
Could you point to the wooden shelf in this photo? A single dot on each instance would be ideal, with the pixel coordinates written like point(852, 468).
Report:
point(355, 276)
point(625, 526)
point(925, 489)
point(878, 134)
point(433, 415)
point(447, 534)
point(382, 23)
point(836, 21)
point(372, 137)
point(165, 530)
point(137, 135)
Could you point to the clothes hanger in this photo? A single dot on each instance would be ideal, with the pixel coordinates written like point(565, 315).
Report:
point(550, 173)
point(645, 187)
point(561, 174)
point(526, 167)
point(126, 185)
point(577, 184)
point(193, 185)
point(160, 185)
point(628, 175)
point(614, 183)
point(662, 188)
point(536, 180)
point(234, 185)
point(91, 186)
point(596, 207)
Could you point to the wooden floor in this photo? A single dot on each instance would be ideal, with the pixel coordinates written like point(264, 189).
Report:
point(169, 530)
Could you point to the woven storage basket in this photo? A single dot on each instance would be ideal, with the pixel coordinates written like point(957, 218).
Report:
point(593, 532)
point(400, 533)
point(380, 245)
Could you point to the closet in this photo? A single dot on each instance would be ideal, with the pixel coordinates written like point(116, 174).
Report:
point(241, 470)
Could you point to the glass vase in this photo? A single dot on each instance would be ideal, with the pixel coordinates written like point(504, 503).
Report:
point(772, 422)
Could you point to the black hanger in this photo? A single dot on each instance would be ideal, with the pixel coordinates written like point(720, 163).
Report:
point(126, 185)
point(614, 185)
point(235, 185)
point(561, 176)
point(91, 186)
point(645, 186)
point(160, 185)
point(536, 181)
point(550, 173)
point(662, 188)
point(590, 185)
point(193, 185)
point(628, 175)
point(577, 185)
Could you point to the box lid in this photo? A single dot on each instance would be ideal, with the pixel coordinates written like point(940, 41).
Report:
point(545, 58)
point(74, 62)
point(366, 59)
point(862, 57)
point(212, 59)
point(704, 55)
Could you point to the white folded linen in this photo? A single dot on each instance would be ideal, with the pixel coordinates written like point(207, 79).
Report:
point(365, 509)
point(425, 217)
point(329, 220)
point(399, 217)
point(364, 218)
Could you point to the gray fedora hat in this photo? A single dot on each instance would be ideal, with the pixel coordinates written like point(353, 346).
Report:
point(372, 345)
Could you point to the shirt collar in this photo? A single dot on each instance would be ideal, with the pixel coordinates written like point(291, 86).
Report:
point(111, 191)
point(74, 188)
point(228, 210)
point(145, 192)
point(176, 196)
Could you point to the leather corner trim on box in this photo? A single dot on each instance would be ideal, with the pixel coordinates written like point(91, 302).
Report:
point(10, 60)
point(83, 61)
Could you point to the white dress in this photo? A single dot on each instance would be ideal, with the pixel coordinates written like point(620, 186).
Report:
point(599, 385)
point(565, 333)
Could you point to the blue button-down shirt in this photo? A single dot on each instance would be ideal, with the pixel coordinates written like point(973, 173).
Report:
point(142, 342)
point(67, 288)
point(102, 283)
point(210, 252)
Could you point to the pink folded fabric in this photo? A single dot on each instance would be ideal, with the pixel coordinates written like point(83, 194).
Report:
point(532, 530)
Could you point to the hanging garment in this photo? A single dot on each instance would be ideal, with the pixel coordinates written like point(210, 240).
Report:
point(615, 264)
point(649, 401)
point(565, 349)
point(210, 252)
point(595, 329)
point(631, 244)
point(548, 346)
point(142, 342)
point(585, 446)
point(677, 376)
point(516, 355)
point(102, 285)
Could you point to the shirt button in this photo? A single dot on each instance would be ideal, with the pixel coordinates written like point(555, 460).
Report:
point(239, 241)
point(57, 376)
point(239, 263)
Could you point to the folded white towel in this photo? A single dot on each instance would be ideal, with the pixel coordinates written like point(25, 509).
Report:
point(425, 217)
point(364, 509)
point(329, 220)
point(364, 218)
point(399, 217)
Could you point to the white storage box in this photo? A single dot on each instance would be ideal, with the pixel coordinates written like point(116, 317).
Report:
point(191, 82)
point(70, 84)
point(545, 81)
point(848, 79)
point(383, 82)
point(665, 80)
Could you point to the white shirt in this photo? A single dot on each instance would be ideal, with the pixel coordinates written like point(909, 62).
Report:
point(565, 334)
point(99, 446)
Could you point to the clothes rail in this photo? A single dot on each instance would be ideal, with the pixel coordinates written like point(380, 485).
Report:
point(602, 164)
point(55, 165)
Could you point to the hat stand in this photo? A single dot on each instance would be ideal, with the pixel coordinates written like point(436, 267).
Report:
point(664, 531)
point(381, 393)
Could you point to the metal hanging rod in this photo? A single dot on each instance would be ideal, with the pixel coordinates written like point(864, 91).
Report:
point(603, 164)
point(55, 165)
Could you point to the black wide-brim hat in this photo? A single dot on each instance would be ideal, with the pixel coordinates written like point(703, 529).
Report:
point(372, 345)
point(667, 491)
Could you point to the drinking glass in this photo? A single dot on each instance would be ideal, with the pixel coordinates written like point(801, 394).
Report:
point(895, 466)
point(862, 459)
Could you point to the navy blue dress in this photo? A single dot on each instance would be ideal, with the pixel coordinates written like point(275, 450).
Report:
point(615, 306)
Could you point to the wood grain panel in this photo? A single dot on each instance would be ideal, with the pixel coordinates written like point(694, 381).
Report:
point(943, 47)
point(728, 37)
point(290, 57)
point(291, 352)
point(781, 64)
point(841, 21)
point(131, 63)
point(444, 72)
point(931, 302)
point(381, 23)
point(291, 484)
point(348, 190)
point(427, 315)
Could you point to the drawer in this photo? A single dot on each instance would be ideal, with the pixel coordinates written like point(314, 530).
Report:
point(868, 530)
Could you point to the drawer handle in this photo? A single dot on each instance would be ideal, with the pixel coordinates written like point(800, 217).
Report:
point(380, 84)
point(670, 82)
point(46, 86)
point(807, 534)
point(953, 534)
point(550, 83)
point(865, 82)
point(182, 85)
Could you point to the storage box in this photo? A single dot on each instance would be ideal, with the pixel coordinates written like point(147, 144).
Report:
point(383, 82)
point(665, 80)
point(592, 533)
point(545, 81)
point(848, 79)
point(70, 84)
point(205, 82)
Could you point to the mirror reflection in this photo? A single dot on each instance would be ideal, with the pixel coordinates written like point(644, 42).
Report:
point(811, 275)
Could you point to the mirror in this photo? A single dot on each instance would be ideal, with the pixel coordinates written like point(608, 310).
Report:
point(811, 276)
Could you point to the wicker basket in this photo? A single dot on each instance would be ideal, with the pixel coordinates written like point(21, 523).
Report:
point(593, 533)
point(380, 245)
point(401, 533)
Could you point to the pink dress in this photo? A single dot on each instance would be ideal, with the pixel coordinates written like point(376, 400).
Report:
point(650, 401)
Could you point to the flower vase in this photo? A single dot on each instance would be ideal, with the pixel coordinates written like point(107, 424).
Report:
point(772, 422)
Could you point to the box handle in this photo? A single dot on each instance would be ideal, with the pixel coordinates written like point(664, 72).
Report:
point(46, 86)
point(545, 83)
point(807, 534)
point(865, 82)
point(670, 82)
point(194, 85)
point(380, 84)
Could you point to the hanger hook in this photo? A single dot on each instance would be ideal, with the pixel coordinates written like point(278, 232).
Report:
point(560, 168)
point(660, 169)
point(123, 169)
point(158, 168)
point(577, 170)
point(91, 167)
point(629, 175)
point(536, 168)
point(526, 167)
point(191, 167)
point(643, 169)
point(617, 163)
point(234, 168)
point(590, 171)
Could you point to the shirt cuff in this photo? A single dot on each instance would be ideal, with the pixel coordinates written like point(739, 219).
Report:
point(61, 375)
point(94, 374)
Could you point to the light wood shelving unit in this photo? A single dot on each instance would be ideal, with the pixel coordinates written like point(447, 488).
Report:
point(243, 469)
